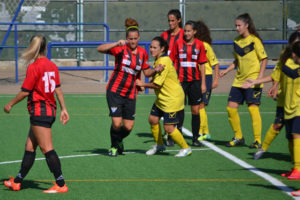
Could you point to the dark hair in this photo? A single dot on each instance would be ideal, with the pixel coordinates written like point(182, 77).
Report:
point(287, 52)
point(248, 20)
point(203, 32)
point(296, 48)
point(193, 24)
point(131, 26)
point(177, 14)
point(162, 43)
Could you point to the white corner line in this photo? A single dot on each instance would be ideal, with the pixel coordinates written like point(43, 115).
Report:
point(247, 166)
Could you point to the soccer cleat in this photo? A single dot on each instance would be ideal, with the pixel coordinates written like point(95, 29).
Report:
point(12, 185)
point(255, 145)
point(155, 149)
point(204, 137)
point(294, 175)
point(184, 152)
point(113, 152)
point(287, 173)
point(259, 154)
point(296, 193)
point(197, 143)
point(57, 189)
point(235, 141)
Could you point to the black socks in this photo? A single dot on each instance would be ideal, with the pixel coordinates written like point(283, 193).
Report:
point(55, 167)
point(27, 162)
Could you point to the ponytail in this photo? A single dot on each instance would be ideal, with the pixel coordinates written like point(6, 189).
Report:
point(36, 47)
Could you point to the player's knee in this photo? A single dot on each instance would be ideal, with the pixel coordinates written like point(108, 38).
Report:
point(277, 127)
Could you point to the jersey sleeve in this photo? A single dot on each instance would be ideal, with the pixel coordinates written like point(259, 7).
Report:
point(277, 72)
point(30, 79)
point(115, 50)
point(202, 55)
point(145, 64)
point(260, 50)
point(57, 78)
point(173, 55)
point(211, 57)
point(160, 77)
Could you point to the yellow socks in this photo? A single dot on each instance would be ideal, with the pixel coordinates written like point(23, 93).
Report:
point(156, 132)
point(256, 122)
point(203, 121)
point(234, 120)
point(270, 136)
point(297, 153)
point(178, 139)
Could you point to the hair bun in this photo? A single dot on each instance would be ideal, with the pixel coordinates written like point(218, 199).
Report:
point(131, 22)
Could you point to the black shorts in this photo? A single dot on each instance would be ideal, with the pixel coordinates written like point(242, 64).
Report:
point(192, 91)
point(169, 118)
point(207, 94)
point(120, 106)
point(44, 121)
point(250, 95)
point(292, 126)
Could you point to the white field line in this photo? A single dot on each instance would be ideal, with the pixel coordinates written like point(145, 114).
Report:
point(247, 166)
point(96, 154)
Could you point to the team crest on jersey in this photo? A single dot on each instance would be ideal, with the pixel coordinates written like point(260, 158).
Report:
point(113, 109)
point(247, 50)
point(256, 94)
point(197, 51)
point(172, 115)
point(181, 50)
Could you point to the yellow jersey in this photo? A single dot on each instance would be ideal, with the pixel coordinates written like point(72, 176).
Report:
point(291, 88)
point(248, 52)
point(211, 59)
point(170, 95)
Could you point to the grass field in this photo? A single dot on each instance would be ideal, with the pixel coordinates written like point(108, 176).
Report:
point(90, 174)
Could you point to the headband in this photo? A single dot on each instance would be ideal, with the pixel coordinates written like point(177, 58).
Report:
point(132, 27)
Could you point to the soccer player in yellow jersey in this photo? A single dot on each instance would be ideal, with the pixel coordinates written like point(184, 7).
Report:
point(275, 128)
point(290, 90)
point(170, 100)
point(250, 61)
point(203, 34)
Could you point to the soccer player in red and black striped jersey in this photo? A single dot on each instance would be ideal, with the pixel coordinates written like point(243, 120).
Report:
point(175, 31)
point(40, 84)
point(121, 91)
point(189, 58)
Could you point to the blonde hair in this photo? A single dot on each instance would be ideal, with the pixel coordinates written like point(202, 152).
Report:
point(36, 47)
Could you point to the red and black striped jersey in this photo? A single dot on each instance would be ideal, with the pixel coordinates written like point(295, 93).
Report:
point(171, 39)
point(187, 58)
point(42, 77)
point(128, 66)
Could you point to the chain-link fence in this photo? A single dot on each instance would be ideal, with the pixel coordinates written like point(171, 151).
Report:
point(275, 20)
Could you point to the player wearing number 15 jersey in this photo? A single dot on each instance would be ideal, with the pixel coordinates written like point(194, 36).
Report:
point(40, 84)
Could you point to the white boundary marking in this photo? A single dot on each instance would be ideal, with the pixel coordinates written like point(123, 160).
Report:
point(247, 166)
point(96, 154)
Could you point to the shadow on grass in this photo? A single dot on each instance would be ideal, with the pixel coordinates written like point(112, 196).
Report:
point(275, 156)
point(270, 187)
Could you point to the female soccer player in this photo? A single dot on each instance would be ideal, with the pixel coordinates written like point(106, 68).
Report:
point(189, 58)
point(275, 77)
point(170, 100)
point(250, 61)
point(40, 84)
point(175, 31)
point(121, 90)
point(204, 35)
